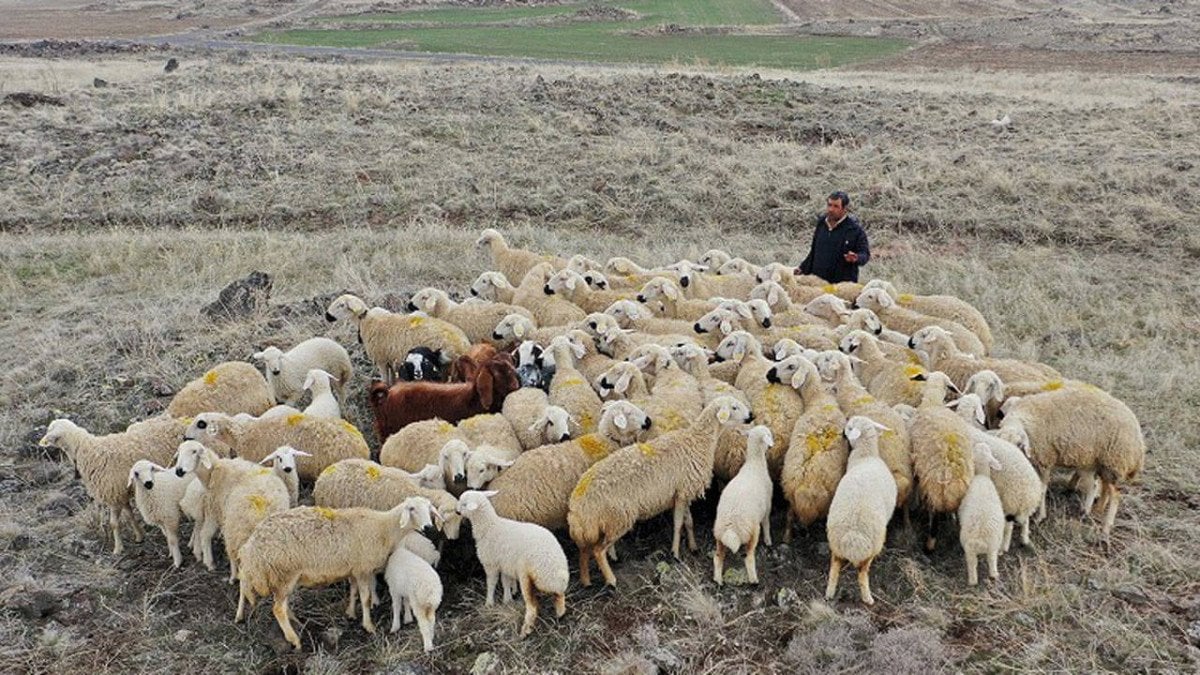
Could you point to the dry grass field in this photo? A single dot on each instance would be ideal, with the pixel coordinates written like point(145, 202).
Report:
point(126, 209)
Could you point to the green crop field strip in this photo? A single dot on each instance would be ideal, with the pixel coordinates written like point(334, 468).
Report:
point(560, 32)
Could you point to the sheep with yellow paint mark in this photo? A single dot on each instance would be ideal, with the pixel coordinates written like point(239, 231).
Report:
point(944, 355)
point(476, 319)
point(569, 389)
point(232, 387)
point(361, 482)
point(326, 440)
point(817, 451)
point(538, 485)
point(513, 263)
point(632, 484)
point(387, 337)
point(944, 306)
point(941, 452)
point(889, 381)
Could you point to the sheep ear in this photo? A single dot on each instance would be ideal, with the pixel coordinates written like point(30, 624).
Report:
point(519, 329)
point(885, 300)
point(579, 350)
point(743, 310)
point(539, 425)
point(570, 282)
point(502, 463)
point(980, 417)
point(773, 296)
point(257, 356)
point(853, 433)
point(726, 326)
point(206, 461)
point(739, 353)
point(132, 473)
point(662, 363)
point(301, 453)
point(404, 516)
point(623, 382)
point(671, 291)
point(620, 421)
point(269, 457)
point(798, 378)
point(953, 405)
point(856, 360)
point(723, 414)
point(430, 303)
point(880, 426)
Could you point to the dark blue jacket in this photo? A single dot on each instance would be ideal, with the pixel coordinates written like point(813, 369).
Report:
point(826, 257)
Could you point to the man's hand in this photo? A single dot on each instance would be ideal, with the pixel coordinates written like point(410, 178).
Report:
point(851, 257)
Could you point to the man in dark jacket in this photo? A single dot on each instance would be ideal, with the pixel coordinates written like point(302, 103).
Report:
point(839, 244)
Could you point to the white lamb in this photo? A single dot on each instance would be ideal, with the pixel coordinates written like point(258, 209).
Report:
point(416, 588)
point(283, 461)
point(523, 551)
point(981, 517)
point(286, 371)
point(157, 492)
point(323, 404)
point(744, 511)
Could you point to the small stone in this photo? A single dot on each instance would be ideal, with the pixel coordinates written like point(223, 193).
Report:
point(241, 298)
point(662, 568)
point(183, 635)
point(99, 83)
point(485, 664)
point(787, 597)
point(1131, 595)
point(736, 576)
point(19, 542)
point(1025, 620)
point(1193, 632)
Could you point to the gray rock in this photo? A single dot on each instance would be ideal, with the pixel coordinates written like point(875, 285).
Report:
point(485, 664)
point(241, 298)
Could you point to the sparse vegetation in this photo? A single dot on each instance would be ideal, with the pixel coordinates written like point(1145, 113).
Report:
point(125, 212)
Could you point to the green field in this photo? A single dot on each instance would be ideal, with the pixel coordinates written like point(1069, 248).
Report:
point(556, 32)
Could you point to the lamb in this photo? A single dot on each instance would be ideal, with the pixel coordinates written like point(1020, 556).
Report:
point(640, 481)
point(981, 517)
point(157, 492)
point(493, 287)
point(323, 402)
point(283, 461)
point(853, 399)
point(862, 506)
point(476, 319)
point(693, 359)
point(286, 371)
point(829, 308)
point(418, 444)
point(1082, 428)
point(569, 389)
point(908, 321)
point(744, 510)
point(537, 487)
point(327, 440)
point(416, 589)
point(941, 452)
point(889, 381)
point(816, 455)
point(485, 463)
point(1018, 483)
point(663, 292)
point(944, 355)
point(103, 462)
point(513, 263)
point(534, 420)
point(526, 552)
point(699, 285)
point(387, 338)
point(315, 546)
point(944, 306)
point(238, 495)
point(232, 387)
point(403, 403)
point(363, 483)
point(572, 286)
point(547, 309)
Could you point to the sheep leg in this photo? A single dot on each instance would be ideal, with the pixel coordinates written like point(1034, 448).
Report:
point(531, 605)
point(232, 565)
point(612, 551)
point(931, 535)
point(1008, 529)
point(690, 526)
point(280, 610)
point(585, 563)
point(492, 576)
point(351, 611)
point(1091, 490)
point(245, 596)
point(1041, 512)
point(426, 616)
point(787, 527)
point(751, 567)
point(374, 591)
point(560, 604)
point(408, 611)
point(972, 573)
point(1112, 498)
point(114, 522)
point(864, 582)
point(505, 588)
point(766, 527)
point(719, 564)
point(397, 605)
point(993, 568)
point(1024, 522)
point(835, 570)
point(206, 536)
point(601, 555)
point(139, 534)
point(364, 595)
point(173, 544)
point(681, 515)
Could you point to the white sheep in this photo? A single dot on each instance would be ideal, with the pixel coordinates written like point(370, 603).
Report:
point(232, 387)
point(862, 506)
point(476, 319)
point(534, 420)
point(525, 552)
point(484, 463)
point(944, 306)
point(981, 516)
point(361, 482)
point(663, 292)
point(315, 546)
point(941, 452)
point(287, 371)
point(547, 309)
point(889, 381)
point(326, 440)
point(513, 263)
point(744, 510)
point(418, 444)
point(387, 337)
point(157, 492)
point(283, 461)
point(323, 404)
point(574, 287)
point(569, 388)
point(944, 355)
point(909, 321)
point(103, 462)
point(493, 287)
point(640, 481)
point(416, 590)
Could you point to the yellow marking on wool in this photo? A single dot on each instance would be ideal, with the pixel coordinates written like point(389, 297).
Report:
point(373, 472)
point(829, 288)
point(672, 420)
point(327, 514)
point(328, 470)
point(587, 422)
point(414, 321)
point(571, 382)
point(585, 481)
point(820, 441)
point(293, 420)
point(955, 457)
point(350, 427)
point(828, 408)
point(905, 298)
point(912, 370)
point(914, 359)
point(864, 400)
point(1052, 385)
point(259, 503)
point(594, 447)
point(263, 471)
point(647, 449)
point(210, 377)
point(444, 427)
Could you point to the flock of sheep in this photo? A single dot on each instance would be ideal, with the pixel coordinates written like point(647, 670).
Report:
point(589, 398)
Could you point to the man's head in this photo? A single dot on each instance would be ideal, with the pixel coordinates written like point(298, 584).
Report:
point(836, 205)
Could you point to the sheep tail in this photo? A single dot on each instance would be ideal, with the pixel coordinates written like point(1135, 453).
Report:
point(731, 539)
point(854, 546)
